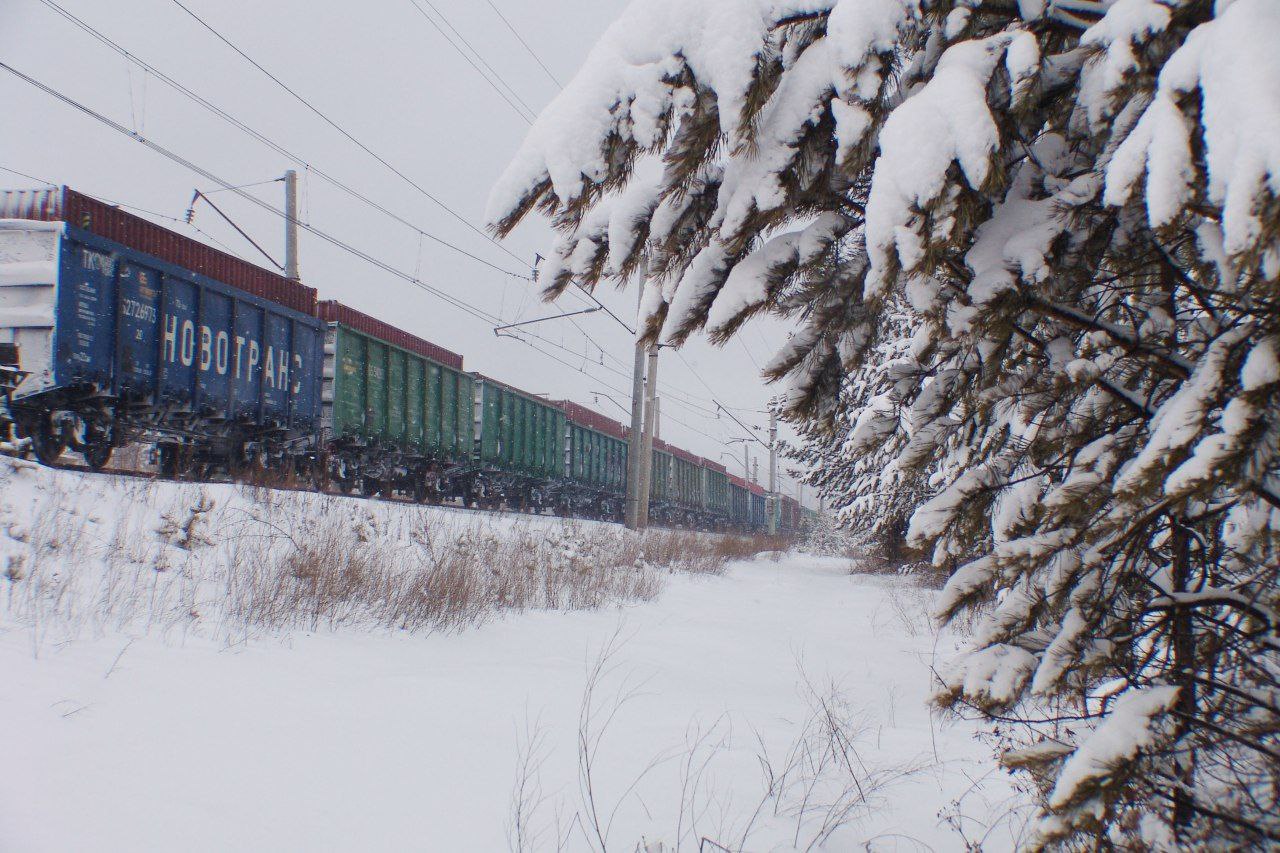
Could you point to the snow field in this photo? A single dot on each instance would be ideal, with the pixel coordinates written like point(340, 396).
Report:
point(144, 728)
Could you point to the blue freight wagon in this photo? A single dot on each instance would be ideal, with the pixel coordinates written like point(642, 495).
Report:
point(116, 343)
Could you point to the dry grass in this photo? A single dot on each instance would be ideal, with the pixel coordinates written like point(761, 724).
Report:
point(244, 560)
point(818, 787)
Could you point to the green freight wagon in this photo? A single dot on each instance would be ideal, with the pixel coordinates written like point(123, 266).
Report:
point(739, 503)
point(521, 449)
point(397, 410)
point(676, 488)
point(597, 464)
point(660, 485)
point(715, 492)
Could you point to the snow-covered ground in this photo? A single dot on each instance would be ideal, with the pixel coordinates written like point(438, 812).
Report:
point(369, 739)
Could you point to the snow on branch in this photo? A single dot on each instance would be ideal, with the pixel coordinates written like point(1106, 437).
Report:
point(1217, 93)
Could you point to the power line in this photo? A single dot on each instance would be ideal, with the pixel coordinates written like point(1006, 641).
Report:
point(120, 204)
point(279, 149)
point(527, 108)
point(747, 350)
point(527, 114)
point(245, 186)
point(519, 38)
point(342, 130)
point(615, 389)
point(176, 158)
point(154, 213)
point(720, 406)
point(378, 157)
point(28, 177)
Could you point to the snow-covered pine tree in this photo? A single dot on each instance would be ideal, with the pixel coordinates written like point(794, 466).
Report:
point(1033, 252)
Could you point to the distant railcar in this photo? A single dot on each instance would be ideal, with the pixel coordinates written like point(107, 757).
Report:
point(596, 464)
point(759, 508)
point(398, 411)
point(520, 447)
point(715, 490)
point(742, 497)
point(789, 515)
point(124, 330)
point(677, 493)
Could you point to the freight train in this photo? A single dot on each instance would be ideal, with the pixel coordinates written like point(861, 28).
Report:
point(115, 331)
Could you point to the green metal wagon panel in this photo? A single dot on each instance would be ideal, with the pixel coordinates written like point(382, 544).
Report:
point(349, 384)
point(395, 395)
point(415, 402)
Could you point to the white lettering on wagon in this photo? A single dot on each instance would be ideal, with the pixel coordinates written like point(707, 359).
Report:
point(138, 310)
point(209, 351)
point(97, 262)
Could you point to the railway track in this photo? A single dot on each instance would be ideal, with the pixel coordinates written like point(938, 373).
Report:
point(290, 487)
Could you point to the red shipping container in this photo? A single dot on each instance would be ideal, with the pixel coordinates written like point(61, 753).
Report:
point(78, 210)
point(335, 312)
point(583, 416)
point(714, 466)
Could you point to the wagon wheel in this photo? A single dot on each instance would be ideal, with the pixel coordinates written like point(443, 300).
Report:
point(421, 492)
point(97, 453)
point(371, 486)
point(99, 442)
point(47, 442)
point(316, 472)
point(174, 461)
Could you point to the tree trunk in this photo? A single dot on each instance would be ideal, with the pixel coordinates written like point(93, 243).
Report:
point(1184, 653)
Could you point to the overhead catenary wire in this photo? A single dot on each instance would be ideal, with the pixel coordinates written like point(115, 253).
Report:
point(345, 133)
point(526, 113)
point(116, 203)
point(520, 39)
point(244, 186)
point(471, 310)
point(28, 177)
point(191, 212)
point(210, 176)
point(720, 406)
point(531, 112)
point(308, 167)
point(378, 157)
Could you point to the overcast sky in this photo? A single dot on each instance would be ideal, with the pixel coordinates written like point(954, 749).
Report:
point(384, 73)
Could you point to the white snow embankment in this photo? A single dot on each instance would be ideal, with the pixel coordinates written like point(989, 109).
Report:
point(350, 741)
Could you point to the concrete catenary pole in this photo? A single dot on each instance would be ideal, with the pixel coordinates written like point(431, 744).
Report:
point(646, 445)
point(634, 450)
point(746, 462)
point(773, 474)
point(291, 225)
